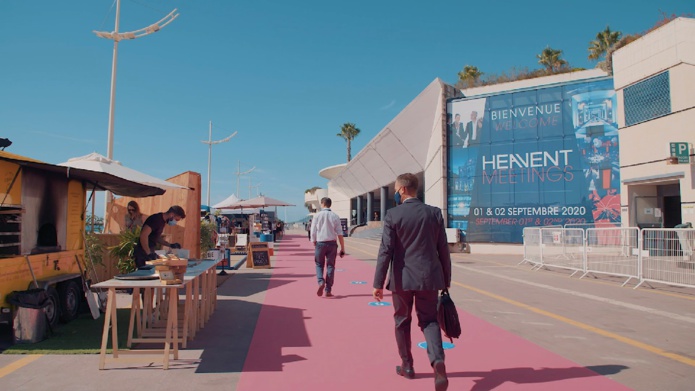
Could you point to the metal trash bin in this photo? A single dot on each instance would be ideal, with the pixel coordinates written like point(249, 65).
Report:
point(29, 319)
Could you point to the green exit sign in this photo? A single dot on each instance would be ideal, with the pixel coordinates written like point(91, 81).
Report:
point(681, 151)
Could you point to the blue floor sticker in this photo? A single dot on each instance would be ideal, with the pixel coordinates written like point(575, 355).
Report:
point(359, 282)
point(445, 345)
point(379, 304)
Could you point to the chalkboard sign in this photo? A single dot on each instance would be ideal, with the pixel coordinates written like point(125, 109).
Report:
point(260, 257)
point(343, 224)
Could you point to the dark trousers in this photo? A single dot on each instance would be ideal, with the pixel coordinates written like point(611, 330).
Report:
point(426, 311)
point(324, 255)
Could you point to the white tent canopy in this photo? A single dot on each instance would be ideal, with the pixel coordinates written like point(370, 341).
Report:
point(231, 200)
point(259, 202)
point(98, 163)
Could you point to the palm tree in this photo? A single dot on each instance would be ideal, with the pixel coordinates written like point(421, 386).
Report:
point(550, 59)
point(470, 75)
point(604, 40)
point(348, 132)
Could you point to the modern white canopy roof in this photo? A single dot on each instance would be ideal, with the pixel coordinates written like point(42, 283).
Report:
point(407, 144)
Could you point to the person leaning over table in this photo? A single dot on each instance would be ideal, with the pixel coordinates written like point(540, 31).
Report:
point(151, 234)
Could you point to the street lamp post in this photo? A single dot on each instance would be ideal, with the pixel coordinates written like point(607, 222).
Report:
point(239, 174)
point(209, 143)
point(116, 36)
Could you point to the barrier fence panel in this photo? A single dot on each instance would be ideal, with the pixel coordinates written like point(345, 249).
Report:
point(667, 256)
point(563, 248)
point(532, 246)
point(613, 251)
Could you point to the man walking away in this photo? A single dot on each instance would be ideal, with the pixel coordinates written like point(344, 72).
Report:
point(326, 231)
point(415, 254)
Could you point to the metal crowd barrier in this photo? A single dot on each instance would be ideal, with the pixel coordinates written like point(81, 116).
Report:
point(613, 251)
point(646, 255)
point(667, 256)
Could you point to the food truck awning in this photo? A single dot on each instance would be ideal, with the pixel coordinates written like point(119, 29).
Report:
point(100, 163)
point(98, 180)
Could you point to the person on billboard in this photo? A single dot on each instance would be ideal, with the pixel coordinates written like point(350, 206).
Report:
point(457, 130)
point(471, 132)
point(151, 234)
point(414, 254)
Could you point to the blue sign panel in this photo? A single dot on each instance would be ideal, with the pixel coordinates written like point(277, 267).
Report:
point(540, 157)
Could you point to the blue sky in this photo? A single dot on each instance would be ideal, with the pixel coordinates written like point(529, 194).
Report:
point(284, 74)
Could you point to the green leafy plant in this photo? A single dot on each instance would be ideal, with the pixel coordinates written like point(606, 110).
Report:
point(124, 251)
point(94, 250)
point(207, 236)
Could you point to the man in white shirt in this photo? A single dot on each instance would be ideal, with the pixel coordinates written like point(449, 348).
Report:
point(326, 231)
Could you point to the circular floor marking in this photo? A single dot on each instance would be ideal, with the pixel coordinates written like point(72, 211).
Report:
point(445, 345)
point(359, 282)
point(379, 304)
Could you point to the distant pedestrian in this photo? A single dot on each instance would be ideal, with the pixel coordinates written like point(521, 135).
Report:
point(415, 255)
point(326, 232)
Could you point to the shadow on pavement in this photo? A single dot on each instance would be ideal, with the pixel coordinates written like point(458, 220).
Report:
point(490, 380)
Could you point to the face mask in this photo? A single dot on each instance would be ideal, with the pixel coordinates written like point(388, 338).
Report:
point(397, 197)
point(171, 222)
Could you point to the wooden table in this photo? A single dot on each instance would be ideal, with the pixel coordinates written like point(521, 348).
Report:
point(157, 320)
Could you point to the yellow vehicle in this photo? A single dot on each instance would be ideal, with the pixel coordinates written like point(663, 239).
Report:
point(42, 226)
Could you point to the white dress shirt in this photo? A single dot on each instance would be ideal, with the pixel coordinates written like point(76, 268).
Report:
point(325, 226)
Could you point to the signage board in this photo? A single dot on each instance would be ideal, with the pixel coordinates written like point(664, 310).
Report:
point(546, 156)
point(344, 226)
point(680, 151)
point(259, 255)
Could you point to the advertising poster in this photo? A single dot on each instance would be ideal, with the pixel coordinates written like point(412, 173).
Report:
point(531, 158)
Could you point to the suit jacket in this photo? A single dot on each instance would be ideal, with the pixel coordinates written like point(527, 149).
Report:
point(414, 250)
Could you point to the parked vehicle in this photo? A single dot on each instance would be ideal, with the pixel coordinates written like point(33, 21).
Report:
point(42, 230)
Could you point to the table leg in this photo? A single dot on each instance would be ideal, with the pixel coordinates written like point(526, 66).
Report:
point(114, 323)
point(134, 316)
point(187, 308)
point(107, 322)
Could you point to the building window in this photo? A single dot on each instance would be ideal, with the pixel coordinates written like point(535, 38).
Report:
point(648, 99)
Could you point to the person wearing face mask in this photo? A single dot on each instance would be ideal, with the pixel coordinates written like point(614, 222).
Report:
point(151, 234)
point(414, 255)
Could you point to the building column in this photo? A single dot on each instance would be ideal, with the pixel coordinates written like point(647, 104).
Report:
point(370, 202)
point(384, 200)
point(359, 209)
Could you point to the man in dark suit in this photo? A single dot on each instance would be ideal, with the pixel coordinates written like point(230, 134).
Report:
point(472, 128)
point(415, 254)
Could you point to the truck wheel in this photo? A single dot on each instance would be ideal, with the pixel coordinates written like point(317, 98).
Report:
point(53, 307)
point(69, 300)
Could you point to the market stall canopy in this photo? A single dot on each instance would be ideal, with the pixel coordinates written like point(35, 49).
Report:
point(99, 163)
point(231, 200)
point(98, 180)
point(259, 202)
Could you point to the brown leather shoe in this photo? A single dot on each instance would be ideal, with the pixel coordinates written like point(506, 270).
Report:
point(319, 292)
point(329, 294)
point(441, 383)
point(406, 371)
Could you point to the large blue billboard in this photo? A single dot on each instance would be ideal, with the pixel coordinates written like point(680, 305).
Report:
point(539, 157)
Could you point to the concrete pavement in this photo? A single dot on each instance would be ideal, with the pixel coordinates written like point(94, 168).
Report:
point(640, 338)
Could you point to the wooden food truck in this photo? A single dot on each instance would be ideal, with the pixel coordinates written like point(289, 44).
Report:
point(42, 229)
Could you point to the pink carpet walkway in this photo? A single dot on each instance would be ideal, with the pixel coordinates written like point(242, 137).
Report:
point(303, 342)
